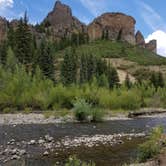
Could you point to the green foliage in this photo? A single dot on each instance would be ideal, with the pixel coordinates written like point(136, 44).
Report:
point(82, 110)
point(3, 52)
point(45, 60)
point(152, 147)
point(128, 83)
point(97, 114)
point(112, 49)
point(69, 68)
point(157, 80)
point(11, 60)
point(73, 161)
point(23, 43)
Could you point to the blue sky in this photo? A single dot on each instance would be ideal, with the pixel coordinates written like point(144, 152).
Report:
point(149, 14)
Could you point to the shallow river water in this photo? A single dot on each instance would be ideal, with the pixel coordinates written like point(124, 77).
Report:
point(102, 155)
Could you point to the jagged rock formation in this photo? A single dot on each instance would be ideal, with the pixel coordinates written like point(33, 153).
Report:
point(152, 46)
point(3, 28)
point(62, 22)
point(140, 41)
point(118, 26)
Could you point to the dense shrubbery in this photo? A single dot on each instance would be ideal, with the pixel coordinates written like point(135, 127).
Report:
point(153, 146)
point(20, 90)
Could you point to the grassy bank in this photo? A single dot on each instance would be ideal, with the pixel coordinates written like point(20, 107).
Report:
point(109, 49)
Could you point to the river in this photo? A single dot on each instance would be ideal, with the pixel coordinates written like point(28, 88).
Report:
point(103, 154)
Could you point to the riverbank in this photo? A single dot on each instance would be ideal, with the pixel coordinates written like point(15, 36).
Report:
point(50, 118)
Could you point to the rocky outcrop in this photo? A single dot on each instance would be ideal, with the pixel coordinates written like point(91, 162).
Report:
point(152, 46)
point(116, 26)
point(3, 28)
point(62, 22)
point(140, 41)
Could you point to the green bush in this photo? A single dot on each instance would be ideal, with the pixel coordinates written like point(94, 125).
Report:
point(73, 161)
point(81, 110)
point(97, 115)
point(152, 146)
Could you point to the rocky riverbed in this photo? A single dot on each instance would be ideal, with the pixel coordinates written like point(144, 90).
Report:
point(39, 143)
point(48, 145)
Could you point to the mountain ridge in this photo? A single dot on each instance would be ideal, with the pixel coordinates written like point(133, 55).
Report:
point(61, 23)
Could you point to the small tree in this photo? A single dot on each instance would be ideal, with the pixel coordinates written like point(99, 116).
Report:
point(128, 83)
point(113, 77)
point(11, 60)
point(161, 82)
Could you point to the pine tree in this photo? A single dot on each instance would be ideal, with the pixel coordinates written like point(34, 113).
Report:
point(24, 42)
point(91, 67)
point(83, 69)
point(3, 53)
point(103, 81)
point(45, 60)
point(128, 83)
point(11, 38)
point(69, 68)
point(11, 60)
point(113, 77)
point(154, 80)
point(161, 82)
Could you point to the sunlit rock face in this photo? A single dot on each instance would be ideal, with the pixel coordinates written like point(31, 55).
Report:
point(140, 41)
point(152, 46)
point(118, 26)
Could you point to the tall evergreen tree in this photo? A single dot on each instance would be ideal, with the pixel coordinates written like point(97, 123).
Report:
point(69, 68)
point(24, 42)
point(45, 60)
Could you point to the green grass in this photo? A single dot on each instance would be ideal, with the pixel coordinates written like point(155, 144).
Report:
point(110, 49)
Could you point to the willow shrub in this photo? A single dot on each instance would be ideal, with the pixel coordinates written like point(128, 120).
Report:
point(19, 89)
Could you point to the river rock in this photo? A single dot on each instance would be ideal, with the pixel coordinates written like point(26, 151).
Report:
point(46, 153)
point(15, 157)
point(22, 152)
point(32, 142)
point(41, 141)
point(48, 138)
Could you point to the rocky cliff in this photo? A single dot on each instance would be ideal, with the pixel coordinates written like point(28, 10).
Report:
point(118, 26)
point(62, 22)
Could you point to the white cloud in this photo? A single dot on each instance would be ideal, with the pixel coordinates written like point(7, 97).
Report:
point(160, 36)
point(6, 4)
point(151, 17)
point(95, 7)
